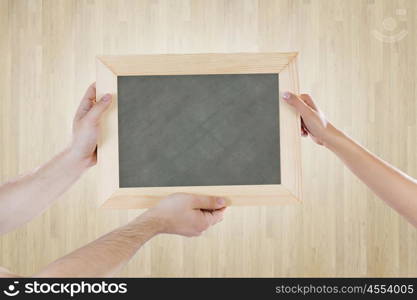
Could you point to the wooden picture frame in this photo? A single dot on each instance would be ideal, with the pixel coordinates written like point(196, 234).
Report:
point(110, 67)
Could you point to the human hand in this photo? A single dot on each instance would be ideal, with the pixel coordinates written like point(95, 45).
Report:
point(85, 126)
point(187, 214)
point(313, 121)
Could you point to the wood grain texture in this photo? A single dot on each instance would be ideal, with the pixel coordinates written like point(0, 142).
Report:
point(367, 87)
point(108, 156)
point(201, 63)
point(290, 122)
point(112, 195)
point(240, 195)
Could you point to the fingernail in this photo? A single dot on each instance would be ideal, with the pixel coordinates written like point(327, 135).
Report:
point(286, 95)
point(221, 201)
point(106, 97)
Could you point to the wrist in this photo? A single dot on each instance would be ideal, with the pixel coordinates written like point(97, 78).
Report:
point(75, 160)
point(333, 138)
point(154, 223)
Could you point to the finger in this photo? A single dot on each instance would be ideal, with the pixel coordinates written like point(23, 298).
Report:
point(90, 93)
point(87, 102)
point(302, 125)
point(212, 210)
point(304, 129)
point(297, 103)
point(304, 132)
point(310, 102)
point(99, 108)
point(207, 202)
point(218, 215)
point(215, 216)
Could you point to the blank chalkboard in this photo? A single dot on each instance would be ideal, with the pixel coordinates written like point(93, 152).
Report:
point(198, 130)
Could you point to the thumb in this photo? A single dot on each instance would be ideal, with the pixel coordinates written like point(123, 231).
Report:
point(208, 202)
point(297, 103)
point(217, 215)
point(99, 108)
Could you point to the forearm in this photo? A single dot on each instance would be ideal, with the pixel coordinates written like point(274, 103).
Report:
point(388, 183)
point(29, 195)
point(108, 254)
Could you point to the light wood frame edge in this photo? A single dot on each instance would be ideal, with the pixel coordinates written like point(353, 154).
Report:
point(109, 67)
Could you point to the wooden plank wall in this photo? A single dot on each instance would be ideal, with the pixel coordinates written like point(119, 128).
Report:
point(365, 86)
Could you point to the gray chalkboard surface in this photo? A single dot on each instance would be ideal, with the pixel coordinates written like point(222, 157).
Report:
point(198, 130)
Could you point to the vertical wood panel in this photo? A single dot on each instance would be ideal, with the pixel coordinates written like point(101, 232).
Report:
point(366, 87)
